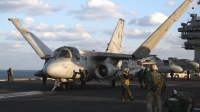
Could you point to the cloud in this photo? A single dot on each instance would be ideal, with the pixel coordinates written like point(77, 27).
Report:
point(54, 32)
point(100, 45)
point(12, 53)
point(173, 48)
point(18, 44)
point(42, 27)
point(31, 7)
point(132, 33)
point(42, 9)
point(107, 32)
point(173, 39)
point(46, 36)
point(170, 3)
point(97, 10)
point(153, 20)
point(75, 33)
point(137, 34)
point(65, 4)
point(14, 35)
point(1, 32)
point(172, 51)
point(127, 49)
point(133, 12)
point(169, 49)
point(10, 46)
point(28, 20)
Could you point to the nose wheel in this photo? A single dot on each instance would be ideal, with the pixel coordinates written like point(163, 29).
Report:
point(67, 85)
point(63, 85)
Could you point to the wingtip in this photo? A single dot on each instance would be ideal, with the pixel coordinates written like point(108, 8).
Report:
point(13, 19)
point(190, 1)
point(121, 19)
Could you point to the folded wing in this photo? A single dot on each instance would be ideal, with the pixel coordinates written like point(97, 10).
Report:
point(40, 48)
point(145, 49)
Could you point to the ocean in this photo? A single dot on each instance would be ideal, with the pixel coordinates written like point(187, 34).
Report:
point(18, 74)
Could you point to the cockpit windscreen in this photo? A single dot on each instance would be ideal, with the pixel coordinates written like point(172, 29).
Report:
point(64, 54)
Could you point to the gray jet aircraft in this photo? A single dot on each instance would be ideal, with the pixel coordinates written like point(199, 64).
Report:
point(186, 64)
point(134, 67)
point(64, 63)
point(164, 66)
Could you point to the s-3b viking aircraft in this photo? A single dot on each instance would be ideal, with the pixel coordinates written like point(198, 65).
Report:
point(64, 62)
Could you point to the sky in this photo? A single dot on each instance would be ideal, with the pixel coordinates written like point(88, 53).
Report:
point(87, 24)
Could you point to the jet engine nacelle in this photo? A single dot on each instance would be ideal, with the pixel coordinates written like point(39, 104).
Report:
point(134, 72)
point(105, 70)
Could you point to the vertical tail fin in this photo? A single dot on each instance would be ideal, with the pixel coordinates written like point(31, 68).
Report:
point(115, 43)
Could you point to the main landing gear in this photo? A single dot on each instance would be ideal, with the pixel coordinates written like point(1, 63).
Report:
point(114, 83)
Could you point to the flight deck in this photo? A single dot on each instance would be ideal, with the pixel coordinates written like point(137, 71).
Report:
point(31, 96)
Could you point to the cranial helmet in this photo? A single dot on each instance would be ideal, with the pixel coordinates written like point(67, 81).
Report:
point(126, 69)
point(154, 67)
point(173, 92)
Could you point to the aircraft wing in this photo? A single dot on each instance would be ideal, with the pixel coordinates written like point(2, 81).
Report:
point(144, 50)
point(116, 56)
point(148, 62)
point(40, 48)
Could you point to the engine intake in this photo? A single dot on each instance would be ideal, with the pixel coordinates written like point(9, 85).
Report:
point(105, 70)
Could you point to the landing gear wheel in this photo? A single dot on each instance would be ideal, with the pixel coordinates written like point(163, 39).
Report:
point(114, 83)
point(67, 85)
point(176, 76)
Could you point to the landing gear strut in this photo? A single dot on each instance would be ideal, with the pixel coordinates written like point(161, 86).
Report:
point(63, 85)
point(114, 83)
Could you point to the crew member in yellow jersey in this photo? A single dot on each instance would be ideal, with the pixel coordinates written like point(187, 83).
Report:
point(125, 85)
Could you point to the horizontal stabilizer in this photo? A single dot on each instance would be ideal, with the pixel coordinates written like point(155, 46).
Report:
point(40, 48)
point(39, 73)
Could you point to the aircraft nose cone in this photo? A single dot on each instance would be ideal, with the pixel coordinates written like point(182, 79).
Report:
point(196, 65)
point(51, 71)
point(57, 70)
point(177, 69)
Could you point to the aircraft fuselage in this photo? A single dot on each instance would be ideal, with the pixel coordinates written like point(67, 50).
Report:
point(65, 62)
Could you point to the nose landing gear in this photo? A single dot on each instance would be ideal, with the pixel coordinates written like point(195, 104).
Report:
point(63, 85)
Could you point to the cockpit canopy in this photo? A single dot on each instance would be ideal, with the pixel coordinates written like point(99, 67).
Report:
point(168, 62)
point(185, 60)
point(66, 52)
